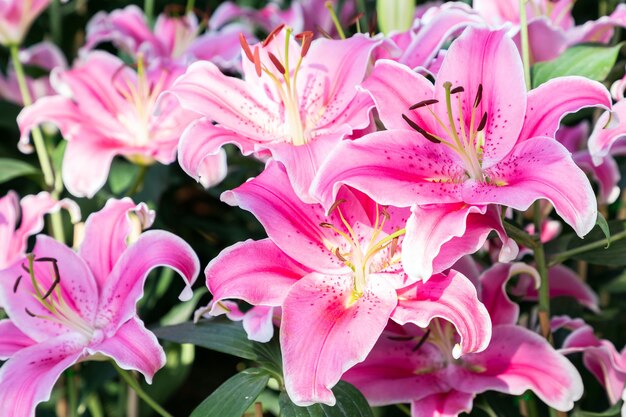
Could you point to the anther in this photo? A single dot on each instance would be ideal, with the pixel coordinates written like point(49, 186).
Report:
point(327, 225)
point(482, 123)
point(322, 32)
point(17, 284)
point(356, 18)
point(246, 47)
point(335, 205)
point(306, 38)
point(479, 95)
point(257, 61)
point(424, 103)
point(273, 34)
point(25, 268)
point(401, 338)
point(456, 90)
point(276, 63)
point(30, 313)
point(420, 130)
point(422, 341)
point(339, 255)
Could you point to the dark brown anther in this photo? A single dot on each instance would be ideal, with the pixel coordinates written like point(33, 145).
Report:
point(422, 341)
point(57, 274)
point(479, 95)
point(17, 284)
point(339, 255)
point(483, 122)
point(174, 10)
point(25, 268)
point(326, 225)
point(373, 23)
point(45, 259)
point(246, 48)
point(276, 63)
point(335, 205)
point(424, 103)
point(420, 130)
point(456, 90)
point(30, 313)
point(257, 61)
point(273, 34)
point(322, 32)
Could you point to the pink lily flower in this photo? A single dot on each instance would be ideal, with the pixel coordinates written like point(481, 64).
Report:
point(295, 103)
point(600, 356)
point(473, 140)
point(65, 307)
point(258, 322)
point(44, 55)
point(20, 219)
point(338, 281)
point(174, 39)
point(413, 365)
point(105, 109)
point(16, 16)
point(551, 26)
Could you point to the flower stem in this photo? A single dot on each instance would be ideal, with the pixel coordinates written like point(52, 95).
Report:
point(148, 9)
point(190, 6)
point(406, 410)
point(40, 146)
point(140, 392)
point(524, 40)
point(138, 183)
point(72, 397)
point(55, 22)
point(38, 140)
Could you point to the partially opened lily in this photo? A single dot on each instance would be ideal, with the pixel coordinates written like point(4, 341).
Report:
point(338, 280)
point(296, 102)
point(410, 365)
point(104, 109)
point(21, 219)
point(65, 307)
point(473, 139)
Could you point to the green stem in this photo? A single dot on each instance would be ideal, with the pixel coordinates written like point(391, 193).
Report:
point(72, 394)
point(94, 405)
point(40, 146)
point(38, 140)
point(148, 9)
point(138, 183)
point(56, 28)
point(127, 377)
point(190, 6)
point(524, 39)
point(565, 255)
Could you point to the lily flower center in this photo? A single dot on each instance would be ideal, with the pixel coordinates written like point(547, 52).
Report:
point(365, 252)
point(141, 97)
point(466, 141)
point(52, 300)
point(285, 80)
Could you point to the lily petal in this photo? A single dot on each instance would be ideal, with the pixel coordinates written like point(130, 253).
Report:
point(535, 170)
point(13, 340)
point(449, 404)
point(124, 286)
point(451, 297)
point(324, 333)
point(133, 347)
point(107, 232)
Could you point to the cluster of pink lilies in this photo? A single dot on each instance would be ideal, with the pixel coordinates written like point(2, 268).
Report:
point(389, 161)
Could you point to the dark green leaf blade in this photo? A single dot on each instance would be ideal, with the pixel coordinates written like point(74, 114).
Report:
point(350, 403)
point(234, 396)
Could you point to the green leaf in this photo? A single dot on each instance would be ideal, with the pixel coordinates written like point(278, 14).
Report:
point(611, 412)
point(599, 255)
point(121, 175)
point(234, 396)
point(604, 226)
point(226, 337)
point(350, 403)
point(182, 312)
point(14, 168)
point(591, 61)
